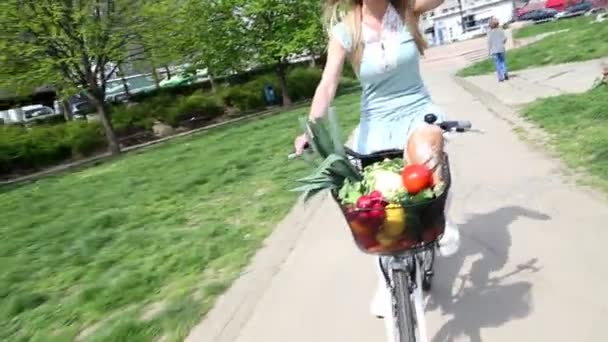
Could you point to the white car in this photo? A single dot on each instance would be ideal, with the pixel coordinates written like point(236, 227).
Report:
point(37, 112)
point(26, 114)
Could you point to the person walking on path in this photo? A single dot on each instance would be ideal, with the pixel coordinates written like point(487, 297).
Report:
point(496, 49)
point(382, 41)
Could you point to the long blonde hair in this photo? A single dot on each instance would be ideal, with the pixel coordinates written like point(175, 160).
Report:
point(350, 12)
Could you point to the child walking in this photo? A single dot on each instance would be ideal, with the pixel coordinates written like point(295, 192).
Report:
point(496, 49)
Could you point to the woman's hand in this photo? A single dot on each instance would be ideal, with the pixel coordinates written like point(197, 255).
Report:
point(300, 144)
point(326, 90)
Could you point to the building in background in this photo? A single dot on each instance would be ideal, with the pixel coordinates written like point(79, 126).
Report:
point(462, 19)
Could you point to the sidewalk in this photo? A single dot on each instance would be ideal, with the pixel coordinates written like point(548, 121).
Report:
point(472, 50)
point(528, 85)
point(531, 265)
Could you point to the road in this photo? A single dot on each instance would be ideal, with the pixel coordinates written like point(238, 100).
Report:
point(532, 263)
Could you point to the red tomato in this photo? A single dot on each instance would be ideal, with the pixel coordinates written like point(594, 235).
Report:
point(416, 178)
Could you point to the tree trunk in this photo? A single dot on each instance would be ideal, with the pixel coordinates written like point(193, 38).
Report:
point(313, 61)
point(213, 84)
point(282, 75)
point(125, 85)
point(106, 122)
point(168, 72)
point(67, 110)
point(156, 78)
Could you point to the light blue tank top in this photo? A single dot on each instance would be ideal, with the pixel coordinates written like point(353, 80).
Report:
point(394, 98)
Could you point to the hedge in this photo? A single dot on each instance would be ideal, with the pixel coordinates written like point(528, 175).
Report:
point(196, 106)
point(26, 149)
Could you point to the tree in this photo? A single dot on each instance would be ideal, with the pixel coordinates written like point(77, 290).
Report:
point(280, 29)
point(160, 36)
point(213, 36)
point(313, 36)
point(204, 34)
point(74, 45)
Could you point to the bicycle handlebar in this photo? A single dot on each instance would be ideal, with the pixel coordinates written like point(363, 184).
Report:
point(431, 119)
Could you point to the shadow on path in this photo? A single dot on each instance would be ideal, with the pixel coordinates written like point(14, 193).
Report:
point(479, 298)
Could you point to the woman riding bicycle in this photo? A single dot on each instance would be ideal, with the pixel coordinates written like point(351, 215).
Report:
point(383, 42)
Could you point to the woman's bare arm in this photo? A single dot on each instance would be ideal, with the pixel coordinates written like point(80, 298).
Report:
point(326, 90)
point(421, 6)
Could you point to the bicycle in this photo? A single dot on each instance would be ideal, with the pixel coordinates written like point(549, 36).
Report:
point(408, 269)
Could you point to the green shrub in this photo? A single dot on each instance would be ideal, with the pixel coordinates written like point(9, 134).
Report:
point(259, 83)
point(27, 148)
point(36, 147)
point(348, 71)
point(142, 115)
point(44, 146)
point(302, 83)
point(49, 120)
point(155, 106)
point(126, 119)
point(84, 138)
point(12, 142)
point(246, 97)
point(197, 105)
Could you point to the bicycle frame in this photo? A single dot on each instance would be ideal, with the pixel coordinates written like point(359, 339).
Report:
point(409, 266)
point(412, 264)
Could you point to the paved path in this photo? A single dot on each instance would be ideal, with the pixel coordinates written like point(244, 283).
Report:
point(532, 265)
point(527, 85)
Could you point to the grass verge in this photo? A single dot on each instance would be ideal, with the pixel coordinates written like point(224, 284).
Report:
point(579, 44)
point(578, 128)
point(139, 248)
point(551, 26)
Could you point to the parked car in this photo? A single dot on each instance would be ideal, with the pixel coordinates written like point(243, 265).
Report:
point(539, 15)
point(115, 89)
point(177, 80)
point(37, 112)
point(81, 109)
point(575, 10)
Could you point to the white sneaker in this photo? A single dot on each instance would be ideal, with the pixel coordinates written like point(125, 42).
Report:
point(381, 302)
point(450, 241)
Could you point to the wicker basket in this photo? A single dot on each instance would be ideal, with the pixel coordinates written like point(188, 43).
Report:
point(423, 223)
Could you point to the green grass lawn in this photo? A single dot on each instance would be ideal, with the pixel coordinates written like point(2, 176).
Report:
point(578, 125)
point(551, 26)
point(139, 248)
point(583, 42)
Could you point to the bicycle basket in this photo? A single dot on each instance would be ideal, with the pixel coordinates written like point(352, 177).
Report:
point(395, 229)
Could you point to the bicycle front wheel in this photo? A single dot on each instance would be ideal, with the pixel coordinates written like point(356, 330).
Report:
point(404, 314)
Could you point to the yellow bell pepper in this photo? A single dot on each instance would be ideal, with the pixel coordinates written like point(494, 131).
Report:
point(394, 222)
